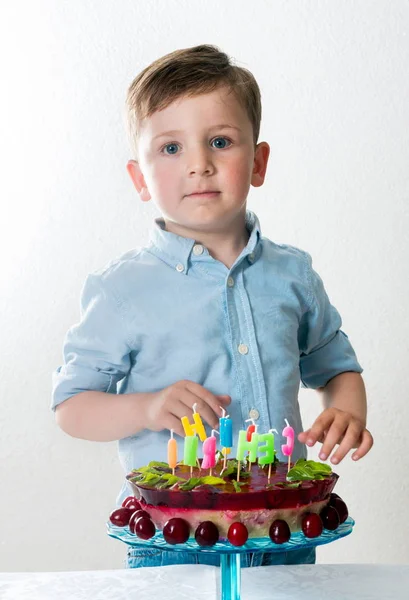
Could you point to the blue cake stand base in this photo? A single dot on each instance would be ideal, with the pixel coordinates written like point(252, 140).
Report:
point(230, 569)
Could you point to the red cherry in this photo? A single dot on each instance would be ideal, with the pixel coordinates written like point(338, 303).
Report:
point(332, 497)
point(279, 532)
point(176, 531)
point(120, 516)
point(136, 515)
point(206, 534)
point(311, 525)
point(128, 499)
point(132, 503)
point(330, 518)
point(237, 534)
point(341, 509)
point(144, 528)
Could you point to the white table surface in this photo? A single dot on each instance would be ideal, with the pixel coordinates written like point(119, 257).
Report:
point(300, 582)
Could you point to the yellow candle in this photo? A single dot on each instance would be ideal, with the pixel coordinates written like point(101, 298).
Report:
point(196, 428)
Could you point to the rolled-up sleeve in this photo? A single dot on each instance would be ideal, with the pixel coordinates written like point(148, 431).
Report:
point(97, 350)
point(325, 350)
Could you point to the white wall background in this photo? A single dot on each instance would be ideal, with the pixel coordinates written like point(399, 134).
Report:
point(335, 85)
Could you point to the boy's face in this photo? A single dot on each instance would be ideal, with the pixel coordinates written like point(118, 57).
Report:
point(197, 160)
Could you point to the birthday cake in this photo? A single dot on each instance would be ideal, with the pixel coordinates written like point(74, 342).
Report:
point(216, 507)
point(216, 498)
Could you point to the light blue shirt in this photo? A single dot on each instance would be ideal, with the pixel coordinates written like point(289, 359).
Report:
point(170, 311)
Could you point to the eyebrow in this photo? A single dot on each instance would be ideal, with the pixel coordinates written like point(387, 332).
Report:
point(177, 131)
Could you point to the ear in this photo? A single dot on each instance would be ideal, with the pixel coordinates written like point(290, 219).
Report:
point(260, 164)
point(138, 180)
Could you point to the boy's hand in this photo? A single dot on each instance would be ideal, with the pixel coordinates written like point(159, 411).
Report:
point(335, 426)
point(167, 407)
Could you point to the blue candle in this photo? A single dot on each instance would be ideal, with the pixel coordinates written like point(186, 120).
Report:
point(226, 431)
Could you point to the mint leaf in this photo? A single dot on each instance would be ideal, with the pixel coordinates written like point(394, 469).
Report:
point(306, 470)
point(237, 485)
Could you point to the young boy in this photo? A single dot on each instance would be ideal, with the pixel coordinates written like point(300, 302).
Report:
point(210, 312)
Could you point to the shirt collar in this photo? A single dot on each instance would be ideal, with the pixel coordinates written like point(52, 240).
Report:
point(176, 250)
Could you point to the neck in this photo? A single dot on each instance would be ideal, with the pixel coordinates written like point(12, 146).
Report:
point(224, 245)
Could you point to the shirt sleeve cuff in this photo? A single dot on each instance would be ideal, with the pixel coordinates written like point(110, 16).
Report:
point(335, 357)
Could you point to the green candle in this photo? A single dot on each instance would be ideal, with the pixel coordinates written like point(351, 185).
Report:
point(267, 448)
point(243, 445)
point(190, 450)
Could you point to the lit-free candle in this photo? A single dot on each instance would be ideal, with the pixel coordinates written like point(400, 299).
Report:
point(288, 447)
point(196, 427)
point(190, 450)
point(244, 446)
point(209, 452)
point(172, 452)
point(268, 449)
point(226, 430)
point(251, 429)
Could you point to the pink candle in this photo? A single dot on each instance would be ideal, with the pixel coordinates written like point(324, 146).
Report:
point(209, 452)
point(288, 447)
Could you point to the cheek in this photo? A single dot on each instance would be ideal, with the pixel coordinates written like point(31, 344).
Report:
point(238, 173)
point(163, 175)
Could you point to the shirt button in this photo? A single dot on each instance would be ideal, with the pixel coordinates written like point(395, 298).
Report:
point(230, 281)
point(254, 414)
point(251, 257)
point(198, 249)
point(243, 349)
point(180, 268)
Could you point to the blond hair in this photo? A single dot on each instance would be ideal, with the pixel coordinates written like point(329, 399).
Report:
point(189, 72)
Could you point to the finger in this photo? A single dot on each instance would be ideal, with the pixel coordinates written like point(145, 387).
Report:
point(206, 396)
point(303, 436)
point(322, 423)
point(173, 423)
point(351, 438)
point(226, 400)
point(334, 436)
point(365, 445)
point(205, 411)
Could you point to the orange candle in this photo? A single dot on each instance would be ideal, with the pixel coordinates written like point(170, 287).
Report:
point(172, 452)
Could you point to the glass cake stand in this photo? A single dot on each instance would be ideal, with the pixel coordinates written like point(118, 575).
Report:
point(230, 570)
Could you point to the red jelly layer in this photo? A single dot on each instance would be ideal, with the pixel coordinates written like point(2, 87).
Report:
point(256, 493)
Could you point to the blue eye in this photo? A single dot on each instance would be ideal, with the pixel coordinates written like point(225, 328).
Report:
point(170, 148)
point(220, 142)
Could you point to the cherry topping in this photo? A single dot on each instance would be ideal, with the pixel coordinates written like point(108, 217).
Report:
point(279, 532)
point(311, 525)
point(237, 534)
point(131, 502)
point(128, 499)
point(206, 534)
point(176, 531)
point(120, 516)
point(341, 509)
point(144, 528)
point(330, 518)
point(136, 515)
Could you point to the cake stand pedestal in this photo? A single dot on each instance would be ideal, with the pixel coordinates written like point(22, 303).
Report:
point(230, 569)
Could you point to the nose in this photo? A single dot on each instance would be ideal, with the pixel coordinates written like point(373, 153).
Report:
point(200, 162)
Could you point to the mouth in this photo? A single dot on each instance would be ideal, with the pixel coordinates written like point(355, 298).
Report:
point(203, 194)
